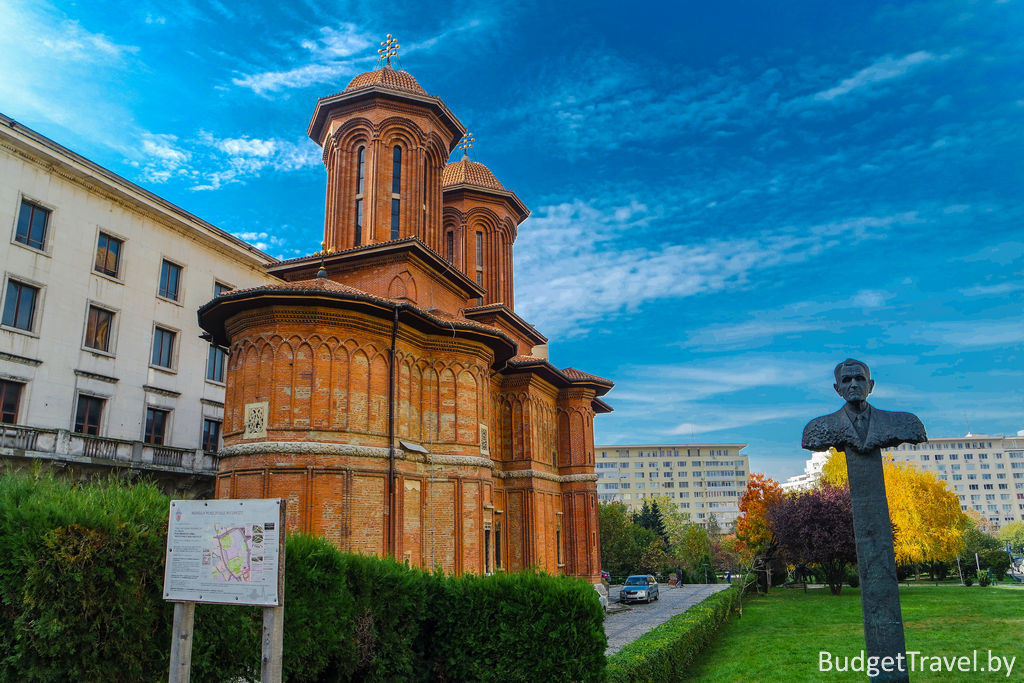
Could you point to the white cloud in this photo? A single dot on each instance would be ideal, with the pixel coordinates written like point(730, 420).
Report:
point(576, 264)
point(885, 69)
point(993, 290)
point(68, 40)
point(161, 157)
point(239, 158)
point(331, 56)
point(736, 418)
point(299, 77)
point(871, 298)
point(966, 334)
point(750, 334)
point(335, 43)
point(670, 386)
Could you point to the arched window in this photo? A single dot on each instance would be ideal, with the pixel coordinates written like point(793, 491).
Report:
point(426, 178)
point(449, 247)
point(396, 190)
point(480, 263)
point(360, 176)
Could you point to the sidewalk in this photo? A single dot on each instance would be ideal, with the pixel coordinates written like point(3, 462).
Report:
point(624, 624)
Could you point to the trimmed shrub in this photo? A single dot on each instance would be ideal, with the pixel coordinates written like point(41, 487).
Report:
point(81, 570)
point(997, 561)
point(318, 613)
point(517, 627)
point(968, 580)
point(390, 604)
point(663, 653)
point(985, 578)
point(81, 575)
point(852, 577)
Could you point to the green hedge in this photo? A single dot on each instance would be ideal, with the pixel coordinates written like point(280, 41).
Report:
point(81, 575)
point(664, 653)
point(518, 627)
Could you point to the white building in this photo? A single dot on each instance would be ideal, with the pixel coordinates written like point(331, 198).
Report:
point(101, 363)
point(702, 479)
point(811, 476)
point(986, 472)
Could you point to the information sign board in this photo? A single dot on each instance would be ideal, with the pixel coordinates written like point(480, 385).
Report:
point(225, 551)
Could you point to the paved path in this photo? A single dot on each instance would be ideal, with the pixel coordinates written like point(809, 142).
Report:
point(626, 625)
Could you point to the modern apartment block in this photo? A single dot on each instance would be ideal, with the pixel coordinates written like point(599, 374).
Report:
point(811, 476)
point(102, 367)
point(986, 472)
point(700, 478)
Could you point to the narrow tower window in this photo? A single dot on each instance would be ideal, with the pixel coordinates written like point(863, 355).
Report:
point(426, 176)
point(480, 263)
point(396, 189)
point(360, 175)
point(450, 246)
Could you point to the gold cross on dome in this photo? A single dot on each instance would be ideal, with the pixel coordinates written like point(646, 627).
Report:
point(388, 49)
point(466, 143)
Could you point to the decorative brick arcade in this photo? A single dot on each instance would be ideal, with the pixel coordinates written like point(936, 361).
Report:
point(386, 387)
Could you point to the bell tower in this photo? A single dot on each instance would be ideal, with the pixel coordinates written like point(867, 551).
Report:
point(385, 143)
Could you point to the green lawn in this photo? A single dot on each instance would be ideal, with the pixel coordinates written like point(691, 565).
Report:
point(779, 636)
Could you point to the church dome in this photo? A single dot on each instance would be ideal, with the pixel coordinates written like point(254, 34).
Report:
point(466, 172)
point(386, 78)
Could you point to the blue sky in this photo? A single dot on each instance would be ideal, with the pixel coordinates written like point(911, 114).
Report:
point(728, 198)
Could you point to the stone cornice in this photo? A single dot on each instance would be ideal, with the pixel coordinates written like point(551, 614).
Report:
point(344, 449)
point(539, 474)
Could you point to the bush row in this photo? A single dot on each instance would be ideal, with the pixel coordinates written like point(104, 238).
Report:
point(663, 653)
point(81, 574)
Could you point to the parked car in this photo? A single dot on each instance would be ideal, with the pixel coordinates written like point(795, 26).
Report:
point(639, 587)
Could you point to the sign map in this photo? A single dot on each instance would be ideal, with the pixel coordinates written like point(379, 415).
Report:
point(224, 551)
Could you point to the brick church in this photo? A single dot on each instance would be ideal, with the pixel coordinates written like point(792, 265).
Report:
point(386, 387)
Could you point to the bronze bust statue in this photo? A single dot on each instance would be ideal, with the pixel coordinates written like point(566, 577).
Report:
point(858, 425)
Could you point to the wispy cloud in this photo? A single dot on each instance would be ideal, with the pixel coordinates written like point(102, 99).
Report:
point(263, 241)
point(68, 40)
point(209, 162)
point(577, 266)
point(162, 158)
point(736, 418)
point(694, 382)
point(333, 54)
point(886, 69)
point(993, 290)
point(239, 158)
point(964, 334)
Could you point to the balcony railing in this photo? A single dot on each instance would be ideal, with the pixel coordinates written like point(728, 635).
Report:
point(59, 444)
point(166, 456)
point(21, 438)
point(96, 447)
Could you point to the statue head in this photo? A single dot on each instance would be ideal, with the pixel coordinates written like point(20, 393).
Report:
point(853, 381)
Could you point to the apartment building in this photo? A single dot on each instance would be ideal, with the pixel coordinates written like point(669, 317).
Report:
point(702, 479)
point(986, 472)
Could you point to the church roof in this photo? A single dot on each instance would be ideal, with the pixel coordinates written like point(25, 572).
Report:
point(579, 375)
point(567, 375)
point(386, 77)
point(466, 172)
point(213, 314)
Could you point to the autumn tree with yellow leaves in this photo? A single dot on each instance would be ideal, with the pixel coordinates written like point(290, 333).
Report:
point(928, 523)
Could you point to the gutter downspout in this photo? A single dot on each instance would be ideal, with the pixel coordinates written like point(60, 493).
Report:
point(392, 507)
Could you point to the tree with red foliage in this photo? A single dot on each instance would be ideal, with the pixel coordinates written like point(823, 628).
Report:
point(752, 527)
point(816, 527)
